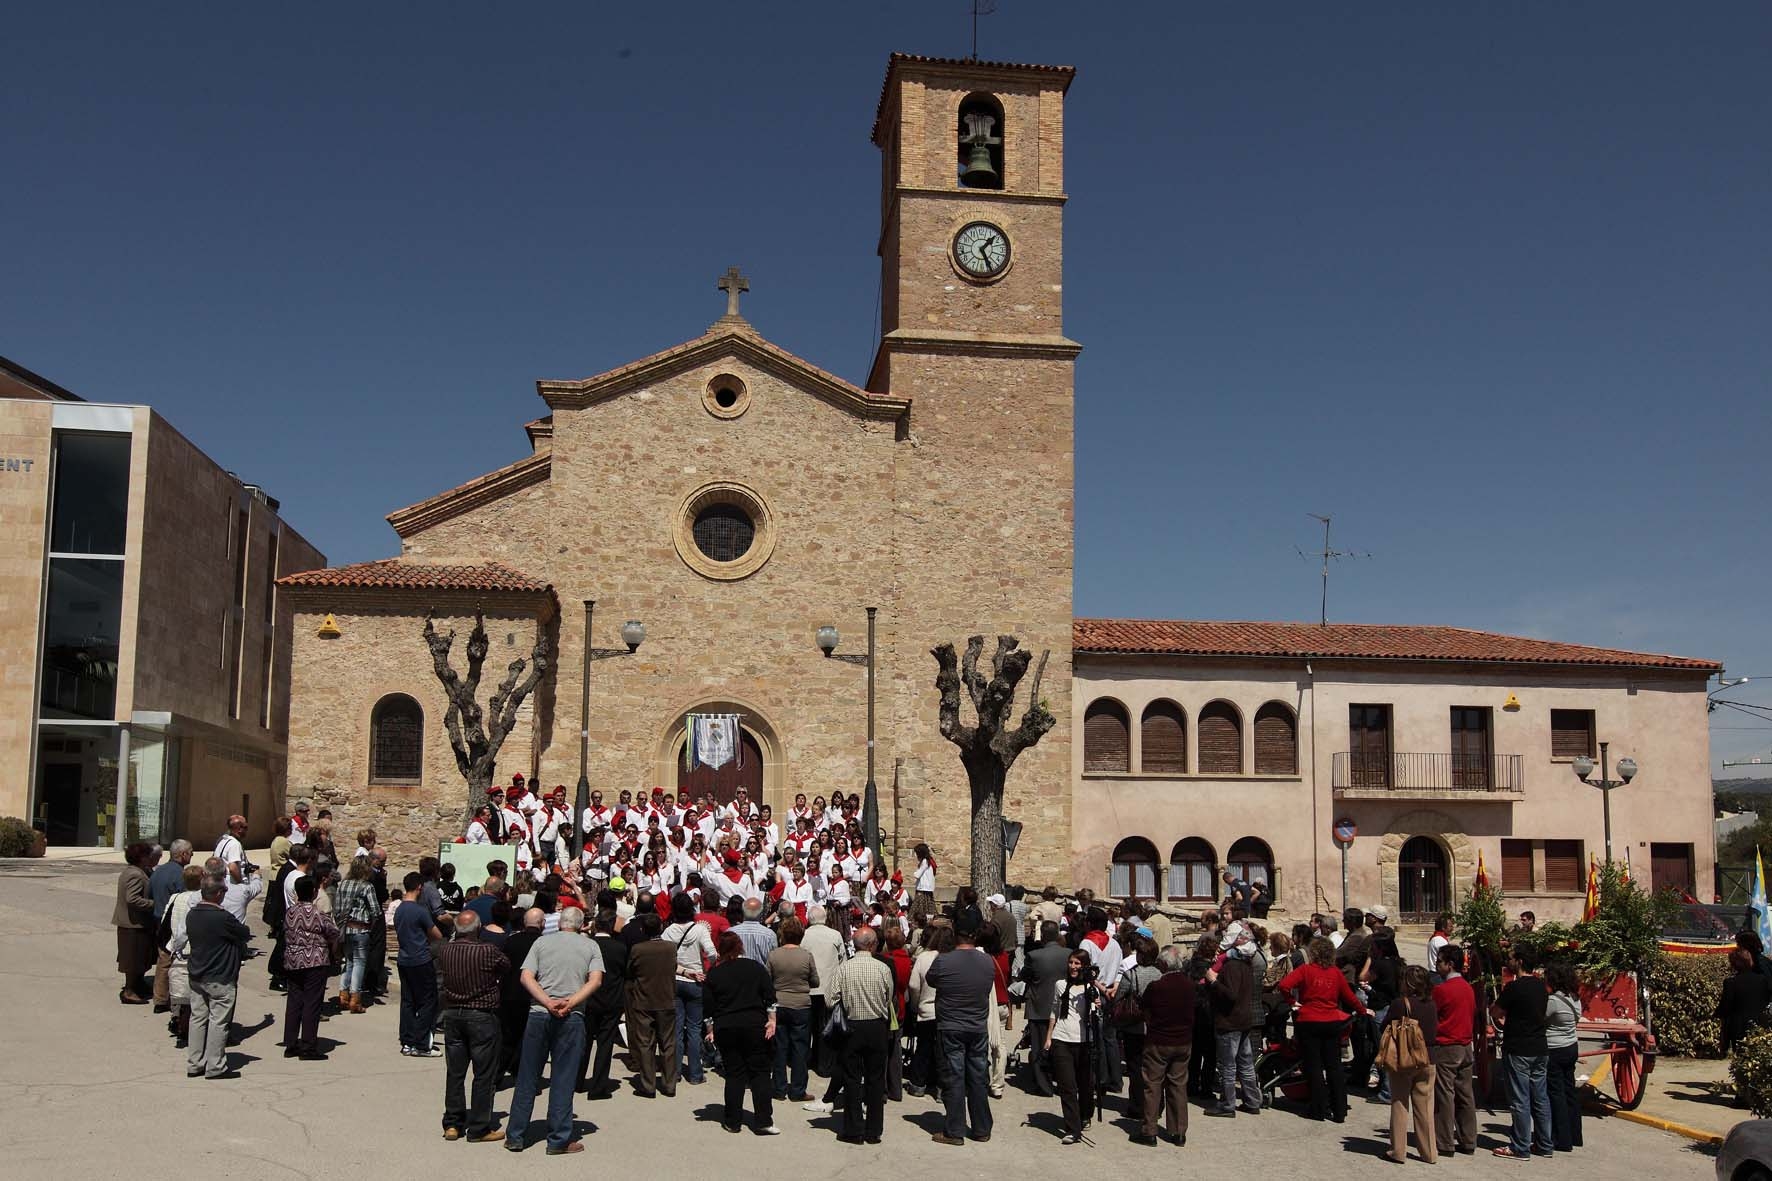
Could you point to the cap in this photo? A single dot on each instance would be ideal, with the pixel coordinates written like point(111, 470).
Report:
point(1146, 932)
point(1381, 913)
point(997, 900)
point(618, 883)
point(898, 876)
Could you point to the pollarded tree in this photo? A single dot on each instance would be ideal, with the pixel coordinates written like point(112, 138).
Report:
point(990, 747)
point(476, 735)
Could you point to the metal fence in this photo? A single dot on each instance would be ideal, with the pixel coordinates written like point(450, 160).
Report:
point(1435, 771)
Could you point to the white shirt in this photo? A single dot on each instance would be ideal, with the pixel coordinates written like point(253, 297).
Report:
point(925, 877)
point(289, 898)
point(229, 850)
point(477, 834)
point(1433, 950)
point(241, 894)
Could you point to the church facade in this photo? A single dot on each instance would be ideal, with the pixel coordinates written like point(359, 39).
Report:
point(733, 499)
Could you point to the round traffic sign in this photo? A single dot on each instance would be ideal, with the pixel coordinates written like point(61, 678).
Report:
point(1346, 830)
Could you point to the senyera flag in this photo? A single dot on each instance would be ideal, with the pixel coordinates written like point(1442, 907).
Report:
point(1482, 874)
point(1591, 906)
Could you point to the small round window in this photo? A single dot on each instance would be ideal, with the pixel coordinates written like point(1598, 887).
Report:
point(724, 532)
point(726, 396)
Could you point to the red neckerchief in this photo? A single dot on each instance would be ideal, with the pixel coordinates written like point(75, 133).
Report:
point(734, 874)
point(1099, 938)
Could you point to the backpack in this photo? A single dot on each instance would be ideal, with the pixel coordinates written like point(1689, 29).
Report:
point(1402, 1047)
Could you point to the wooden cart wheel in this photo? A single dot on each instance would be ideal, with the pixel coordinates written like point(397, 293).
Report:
point(1627, 1072)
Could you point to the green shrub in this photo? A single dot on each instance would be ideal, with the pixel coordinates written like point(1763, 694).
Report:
point(1625, 933)
point(1751, 1069)
point(1685, 989)
point(16, 837)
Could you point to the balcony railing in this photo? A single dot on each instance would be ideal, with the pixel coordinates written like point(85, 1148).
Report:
point(1357, 774)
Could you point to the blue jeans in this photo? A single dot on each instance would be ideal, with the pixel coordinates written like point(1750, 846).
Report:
point(1529, 1097)
point(356, 960)
point(689, 1030)
point(545, 1037)
point(1236, 1064)
point(968, 1058)
point(793, 1044)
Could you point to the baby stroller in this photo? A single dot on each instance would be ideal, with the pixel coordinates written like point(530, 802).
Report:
point(1279, 1068)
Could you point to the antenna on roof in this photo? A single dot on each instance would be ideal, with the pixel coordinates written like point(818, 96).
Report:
point(1326, 554)
point(980, 8)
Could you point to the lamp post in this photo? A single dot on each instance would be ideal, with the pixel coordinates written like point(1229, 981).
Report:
point(1584, 769)
point(633, 632)
point(870, 796)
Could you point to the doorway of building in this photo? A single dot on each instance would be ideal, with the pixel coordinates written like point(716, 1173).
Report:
point(723, 782)
point(1421, 880)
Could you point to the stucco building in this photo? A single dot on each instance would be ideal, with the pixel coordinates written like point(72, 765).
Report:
point(1207, 744)
point(145, 643)
point(733, 498)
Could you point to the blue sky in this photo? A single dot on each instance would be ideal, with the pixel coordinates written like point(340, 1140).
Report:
point(1490, 283)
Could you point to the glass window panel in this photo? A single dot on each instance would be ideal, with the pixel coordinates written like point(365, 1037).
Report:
point(84, 619)
point(153, 772)
point(90, 506)
point(1118, 878)
point(1144, 879)
point(1199, 880)
point(77, 783)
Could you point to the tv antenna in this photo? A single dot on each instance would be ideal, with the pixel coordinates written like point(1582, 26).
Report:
point(1328, 553)
point(980, 8)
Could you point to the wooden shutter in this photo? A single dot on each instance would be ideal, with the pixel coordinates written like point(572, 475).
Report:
point(1276, 741)
point(1516, 866)
point(1221, 741)
point(1369, 746)
point(1563, 871)
point(1670, 866)
point(1572, 733)
point(1107, 741)
point(1164, 735)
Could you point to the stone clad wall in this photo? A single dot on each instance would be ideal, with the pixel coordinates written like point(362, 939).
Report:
point(336, 683)
point(24, 521)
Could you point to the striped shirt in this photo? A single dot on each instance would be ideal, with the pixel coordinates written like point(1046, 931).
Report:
point(864, 985)
point(472, 973)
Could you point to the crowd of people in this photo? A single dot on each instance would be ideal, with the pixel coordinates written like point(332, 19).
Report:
point(693, 937)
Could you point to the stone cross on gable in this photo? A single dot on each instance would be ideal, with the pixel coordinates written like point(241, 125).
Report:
point(734, 284)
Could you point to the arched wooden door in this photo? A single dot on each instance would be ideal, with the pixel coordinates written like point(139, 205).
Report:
point(1422, 892)
point(723, 782)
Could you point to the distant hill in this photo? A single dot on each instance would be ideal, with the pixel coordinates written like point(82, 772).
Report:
point(1741, 787)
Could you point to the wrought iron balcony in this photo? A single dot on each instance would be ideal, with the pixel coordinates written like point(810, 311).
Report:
point(1433, 775)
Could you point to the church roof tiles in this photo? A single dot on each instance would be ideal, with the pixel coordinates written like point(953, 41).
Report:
point(394, 574)
point(1351, 641)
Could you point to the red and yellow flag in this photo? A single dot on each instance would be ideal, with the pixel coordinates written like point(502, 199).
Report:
point(1591, 906)
point(1482, 874)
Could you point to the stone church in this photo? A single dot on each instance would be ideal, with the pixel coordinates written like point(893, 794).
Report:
point(733, 498)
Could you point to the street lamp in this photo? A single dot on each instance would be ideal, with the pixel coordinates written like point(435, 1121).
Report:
point(828, 638)
point(1584, 769)
point(633, 634)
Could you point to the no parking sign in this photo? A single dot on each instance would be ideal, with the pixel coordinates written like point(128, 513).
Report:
point(1345, 830)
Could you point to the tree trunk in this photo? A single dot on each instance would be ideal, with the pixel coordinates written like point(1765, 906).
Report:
point(987, 777)
point(479, 783)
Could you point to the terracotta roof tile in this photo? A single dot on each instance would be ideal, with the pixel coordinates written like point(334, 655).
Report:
point(394, 574)
point(1353, 641)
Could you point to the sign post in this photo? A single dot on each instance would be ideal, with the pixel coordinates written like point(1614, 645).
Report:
point(1344, 832)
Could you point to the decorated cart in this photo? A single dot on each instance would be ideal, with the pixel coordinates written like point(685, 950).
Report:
point(1615, 1015)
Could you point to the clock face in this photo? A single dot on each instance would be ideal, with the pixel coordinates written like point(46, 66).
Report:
point(981, 250)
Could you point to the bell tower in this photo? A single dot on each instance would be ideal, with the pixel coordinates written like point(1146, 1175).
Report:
point(972, 281)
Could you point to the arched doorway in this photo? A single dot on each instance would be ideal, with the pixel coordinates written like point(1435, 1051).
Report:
point(1421, 879)
point(723, 782)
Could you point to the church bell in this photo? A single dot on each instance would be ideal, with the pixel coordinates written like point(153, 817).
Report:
point(978, 173)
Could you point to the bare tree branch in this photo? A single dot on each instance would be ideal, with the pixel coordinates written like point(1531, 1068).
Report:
point(474, 737)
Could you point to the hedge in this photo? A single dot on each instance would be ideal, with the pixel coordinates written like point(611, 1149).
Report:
point(1683, 991)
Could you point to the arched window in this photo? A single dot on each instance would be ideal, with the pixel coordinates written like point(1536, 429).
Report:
point(1221, 739)
point(396, 740)
point(1276, 740)
point(1107, 736)
point(1192, 872)
point(1134, 871)
point(980, 139)
point(1252, 860)
point(1163, 735)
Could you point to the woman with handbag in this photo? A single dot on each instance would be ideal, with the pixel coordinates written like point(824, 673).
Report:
point(1129, 1012)
point(1403, 1055)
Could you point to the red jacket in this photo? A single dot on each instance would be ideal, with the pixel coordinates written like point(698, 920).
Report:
point(901, 963)
point(1323, 992)
point(1455, 1003)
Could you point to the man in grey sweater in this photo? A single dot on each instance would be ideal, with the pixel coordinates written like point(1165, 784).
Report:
point(864, 988)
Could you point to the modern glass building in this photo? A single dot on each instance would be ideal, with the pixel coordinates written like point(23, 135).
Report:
point(145, 652)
